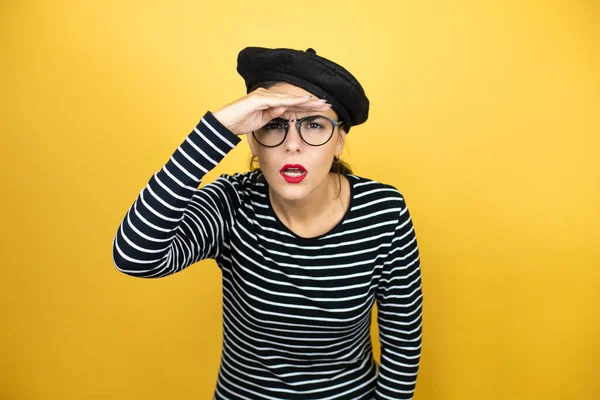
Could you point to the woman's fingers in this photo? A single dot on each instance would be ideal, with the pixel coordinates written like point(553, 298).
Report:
point(249, 112)
point(284, 101)
point(321, 106)
point(272, 113)
point(273, 98)
point(268, 99)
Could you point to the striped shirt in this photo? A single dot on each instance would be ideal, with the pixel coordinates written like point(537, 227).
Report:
point(296, 311)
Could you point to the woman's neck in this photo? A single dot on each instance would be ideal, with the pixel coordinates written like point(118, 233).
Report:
point(318, 212)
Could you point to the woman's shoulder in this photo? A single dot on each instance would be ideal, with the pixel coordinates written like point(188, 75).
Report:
point(241, 180)
point(248, 178)
point(367, 188)
point(375, 203)
point(243, 183)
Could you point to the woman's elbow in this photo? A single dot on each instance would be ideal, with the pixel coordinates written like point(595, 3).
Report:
point(135, 269)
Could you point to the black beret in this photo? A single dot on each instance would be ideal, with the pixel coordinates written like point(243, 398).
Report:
point(315, 74)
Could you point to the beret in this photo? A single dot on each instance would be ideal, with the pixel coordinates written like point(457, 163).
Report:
point(315, 74)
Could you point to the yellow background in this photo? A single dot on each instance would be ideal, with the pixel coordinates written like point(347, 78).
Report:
point(485, 115)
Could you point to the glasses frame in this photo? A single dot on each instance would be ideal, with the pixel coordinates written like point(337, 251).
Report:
point(298, 123)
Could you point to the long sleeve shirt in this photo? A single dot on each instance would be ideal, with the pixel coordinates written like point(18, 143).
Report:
point(296, 311)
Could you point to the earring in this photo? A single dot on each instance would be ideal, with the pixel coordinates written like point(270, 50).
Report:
point(336, 159)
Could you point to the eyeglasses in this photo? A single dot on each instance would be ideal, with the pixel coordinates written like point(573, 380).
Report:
point(314, 130)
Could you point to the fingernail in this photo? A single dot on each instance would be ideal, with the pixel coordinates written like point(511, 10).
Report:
point(322, 100)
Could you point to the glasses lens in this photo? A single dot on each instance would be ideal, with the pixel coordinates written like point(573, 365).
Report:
point(271, 134)
point(316, 130)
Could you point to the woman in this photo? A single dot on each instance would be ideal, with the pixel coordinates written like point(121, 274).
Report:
point(305, 247)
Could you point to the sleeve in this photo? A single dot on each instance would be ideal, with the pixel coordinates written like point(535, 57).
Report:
point(172, 224)
point(399, 314)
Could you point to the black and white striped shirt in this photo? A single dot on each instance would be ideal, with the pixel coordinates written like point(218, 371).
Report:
point(296, 311)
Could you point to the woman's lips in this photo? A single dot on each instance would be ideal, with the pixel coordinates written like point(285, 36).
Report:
point(293, 173)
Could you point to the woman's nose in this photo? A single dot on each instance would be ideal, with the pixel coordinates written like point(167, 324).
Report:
point(293, 141)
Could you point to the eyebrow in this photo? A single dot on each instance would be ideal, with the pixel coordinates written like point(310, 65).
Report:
point(296, 119)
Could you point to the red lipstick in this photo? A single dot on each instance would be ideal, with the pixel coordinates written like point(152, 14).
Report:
point(293, 173)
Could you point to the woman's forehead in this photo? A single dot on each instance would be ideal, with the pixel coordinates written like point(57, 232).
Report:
point(293, 113)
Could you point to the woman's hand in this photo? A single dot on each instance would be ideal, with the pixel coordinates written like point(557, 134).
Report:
point(254, 110)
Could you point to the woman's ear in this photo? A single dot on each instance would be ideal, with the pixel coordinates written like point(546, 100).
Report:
point(252, 144)
point(339, 147)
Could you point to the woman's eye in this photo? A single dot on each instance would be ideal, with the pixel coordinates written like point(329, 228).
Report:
point(274, 126)
point(314, 125)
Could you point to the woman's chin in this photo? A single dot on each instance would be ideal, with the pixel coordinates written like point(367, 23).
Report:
point(290, 192)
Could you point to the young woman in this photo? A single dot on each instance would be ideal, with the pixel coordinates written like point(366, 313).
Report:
point(305, 247)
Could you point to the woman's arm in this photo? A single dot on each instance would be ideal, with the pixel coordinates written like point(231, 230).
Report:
point(172, 224)
point(399, 305)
